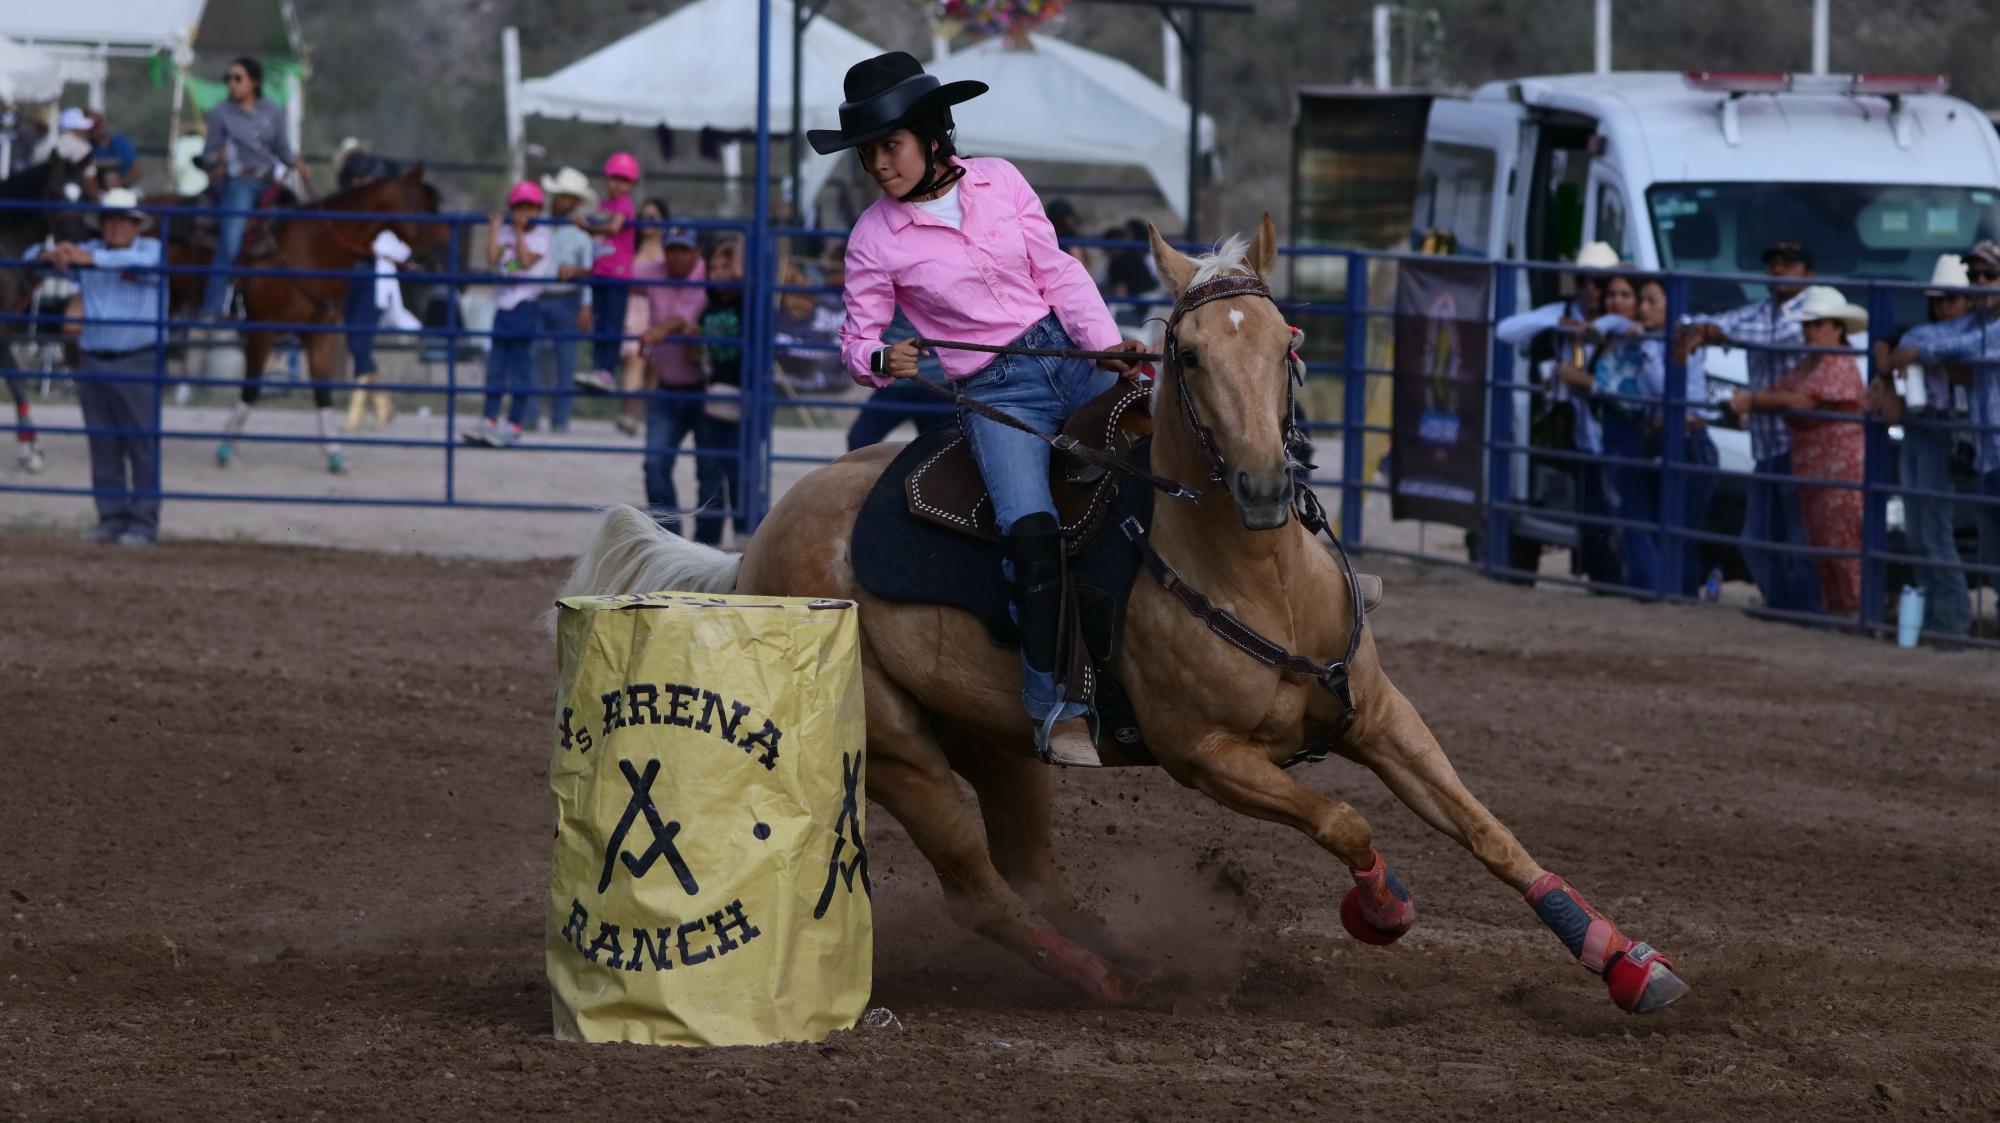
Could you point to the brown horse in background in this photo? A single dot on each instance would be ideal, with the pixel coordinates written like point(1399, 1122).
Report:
point(312, 244)
point(942, 698)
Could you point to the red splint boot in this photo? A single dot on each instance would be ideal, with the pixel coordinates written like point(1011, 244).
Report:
point(1640, 979)
point(1378, 909)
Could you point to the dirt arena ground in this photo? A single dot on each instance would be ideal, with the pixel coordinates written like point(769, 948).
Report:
point(275, 847)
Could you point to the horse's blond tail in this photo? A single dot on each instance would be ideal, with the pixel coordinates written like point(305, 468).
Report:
point(630, 553)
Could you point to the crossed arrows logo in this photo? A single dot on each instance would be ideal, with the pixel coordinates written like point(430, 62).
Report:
point(662, 845)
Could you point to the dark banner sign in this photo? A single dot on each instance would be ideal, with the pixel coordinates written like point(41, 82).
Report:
point(1437, 469)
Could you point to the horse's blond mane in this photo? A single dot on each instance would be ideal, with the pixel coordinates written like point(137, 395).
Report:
point(1230, 257)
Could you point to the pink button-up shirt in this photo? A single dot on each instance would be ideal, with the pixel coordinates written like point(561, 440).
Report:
point(986, 282)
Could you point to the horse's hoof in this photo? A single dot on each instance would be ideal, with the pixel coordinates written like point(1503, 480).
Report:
point(1643, 981)
point(336, 462)
point(32, 460)
point(1362, 929)
point(224, 453)
point(1083, 969)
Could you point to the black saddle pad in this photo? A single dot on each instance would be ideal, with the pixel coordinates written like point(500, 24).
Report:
point(900, 557)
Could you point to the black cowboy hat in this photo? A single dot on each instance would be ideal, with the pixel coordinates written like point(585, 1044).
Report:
point(886, 93)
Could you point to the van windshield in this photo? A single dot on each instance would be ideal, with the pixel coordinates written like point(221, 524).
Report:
point(1891, 231)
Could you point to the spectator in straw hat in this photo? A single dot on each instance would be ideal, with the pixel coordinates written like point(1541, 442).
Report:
point(1973, 339)
point(565, 300)
point(1936, 397)
point(1823, 450)
point(118, 382)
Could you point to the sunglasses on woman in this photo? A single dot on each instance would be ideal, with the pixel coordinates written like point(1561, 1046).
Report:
point(232, 79)
point(1983, 274)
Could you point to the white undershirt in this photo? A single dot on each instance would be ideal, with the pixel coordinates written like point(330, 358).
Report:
point(945, 208)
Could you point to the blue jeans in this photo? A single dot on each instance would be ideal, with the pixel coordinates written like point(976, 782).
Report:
point(1042, 392)
point(718, 479)
point(1987, 516)
point(669, 421)
point(510, 364)
point(239, 193)
point(558, 318)
point(607, 323)
point(1926, 466)
point(1637, 497)
point(362, 317)
point(1771, 515)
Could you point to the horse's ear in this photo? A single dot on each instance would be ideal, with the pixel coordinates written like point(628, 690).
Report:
point(1175, 269)
point(1264, 251)
point(416, 172)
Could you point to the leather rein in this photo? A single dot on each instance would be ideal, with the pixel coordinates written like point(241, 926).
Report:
point(1331, 677)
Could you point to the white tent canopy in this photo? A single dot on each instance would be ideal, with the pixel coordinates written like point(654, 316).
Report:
point(697, 69)
point(28, 74)
point(141, 27)
point(1062, 103)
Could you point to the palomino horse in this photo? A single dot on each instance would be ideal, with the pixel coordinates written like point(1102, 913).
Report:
point(941, 697)
point(323, 244)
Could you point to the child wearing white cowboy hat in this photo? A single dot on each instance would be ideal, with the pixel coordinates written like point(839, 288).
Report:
point(118, 380)
point(565, 304)
point(1824, 450)
point(966, 250)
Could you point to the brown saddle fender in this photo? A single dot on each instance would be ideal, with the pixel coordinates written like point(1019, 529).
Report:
point(945, 488)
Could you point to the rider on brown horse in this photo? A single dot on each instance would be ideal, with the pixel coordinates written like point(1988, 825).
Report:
point(964, 248)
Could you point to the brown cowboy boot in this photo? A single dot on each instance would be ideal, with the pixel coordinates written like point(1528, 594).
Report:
point(1034, 544)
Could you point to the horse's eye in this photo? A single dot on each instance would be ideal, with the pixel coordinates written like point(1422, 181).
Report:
point(1190, 360)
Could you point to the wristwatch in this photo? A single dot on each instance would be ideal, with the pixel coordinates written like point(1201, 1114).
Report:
point(878, 360)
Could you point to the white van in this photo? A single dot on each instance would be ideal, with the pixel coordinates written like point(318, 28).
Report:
point(1875, 174)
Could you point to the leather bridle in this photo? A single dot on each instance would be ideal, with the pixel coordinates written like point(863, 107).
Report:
point(1333, 676)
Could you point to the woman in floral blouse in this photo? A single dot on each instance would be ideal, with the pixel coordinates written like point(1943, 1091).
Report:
point(1825, 450)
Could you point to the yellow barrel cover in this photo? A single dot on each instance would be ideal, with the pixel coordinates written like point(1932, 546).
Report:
point(710, 879)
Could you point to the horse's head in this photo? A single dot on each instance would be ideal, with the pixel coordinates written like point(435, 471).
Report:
point(410, 194)
point(1228, 360)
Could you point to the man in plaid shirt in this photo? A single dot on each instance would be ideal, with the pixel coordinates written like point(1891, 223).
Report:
point(1770, 508)
point(1973, 339)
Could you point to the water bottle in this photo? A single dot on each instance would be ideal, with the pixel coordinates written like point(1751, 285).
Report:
point(1711, 590)
point(1909, 616)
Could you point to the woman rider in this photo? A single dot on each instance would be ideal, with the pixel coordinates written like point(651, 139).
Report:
point(966, 250)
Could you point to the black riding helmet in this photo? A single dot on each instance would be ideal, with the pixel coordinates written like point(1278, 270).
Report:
point(890, 92)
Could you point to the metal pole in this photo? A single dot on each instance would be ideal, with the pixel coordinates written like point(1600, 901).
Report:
point(451, 337)
point(1500, 461)
point(1381, 21)
point(757, 302)
point(510, 91)
point(799, 18)
point(1875, 475)
point(1194, 46)
point(1671, 575)
point(1354, 402)
point(1819, 36)
point(1604, 36)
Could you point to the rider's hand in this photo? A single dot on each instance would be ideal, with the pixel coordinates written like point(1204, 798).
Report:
point(1123, 366)
point(901, 361)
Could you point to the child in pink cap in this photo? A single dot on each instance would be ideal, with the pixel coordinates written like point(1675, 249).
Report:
point(518, 249)
point(611, 225)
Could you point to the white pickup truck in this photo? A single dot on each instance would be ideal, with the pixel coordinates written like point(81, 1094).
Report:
point(1876, 174)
